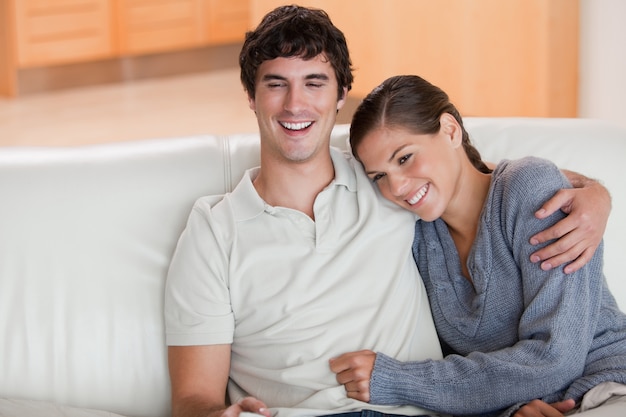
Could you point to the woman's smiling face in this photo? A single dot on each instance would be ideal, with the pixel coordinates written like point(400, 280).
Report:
point(417, 172)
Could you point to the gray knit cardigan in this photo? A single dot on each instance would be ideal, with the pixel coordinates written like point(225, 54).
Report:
point(518, 333)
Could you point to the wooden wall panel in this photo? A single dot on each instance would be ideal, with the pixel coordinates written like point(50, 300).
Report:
point(494, 58)
point(226, 20)
point(7, 49)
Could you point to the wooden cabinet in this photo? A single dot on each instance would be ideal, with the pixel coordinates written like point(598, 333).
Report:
point(146, 26)
point(58, 31)
point(44, 33)
point(162, 25)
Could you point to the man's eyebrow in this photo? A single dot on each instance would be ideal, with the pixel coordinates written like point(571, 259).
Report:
point(271, 77)
point(317, 76)
point(314, 76)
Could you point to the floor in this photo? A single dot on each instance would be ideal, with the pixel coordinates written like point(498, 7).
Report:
point(208, 102)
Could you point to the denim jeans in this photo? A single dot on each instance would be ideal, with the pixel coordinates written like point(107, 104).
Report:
point(368, 413)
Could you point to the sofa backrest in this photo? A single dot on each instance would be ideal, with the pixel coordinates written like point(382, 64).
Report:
point(86, 235)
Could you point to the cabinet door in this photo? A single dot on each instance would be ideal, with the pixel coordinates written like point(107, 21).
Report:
point(147, 26)
point(227, 20)
point(62, 31)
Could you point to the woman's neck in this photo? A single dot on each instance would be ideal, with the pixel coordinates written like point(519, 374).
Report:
point(463, 216)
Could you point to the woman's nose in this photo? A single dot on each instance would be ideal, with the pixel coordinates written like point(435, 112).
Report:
point(397, 184)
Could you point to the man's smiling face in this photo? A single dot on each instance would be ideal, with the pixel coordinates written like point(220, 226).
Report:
point(296, 106)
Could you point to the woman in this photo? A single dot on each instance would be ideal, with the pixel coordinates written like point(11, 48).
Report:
point(513, 331)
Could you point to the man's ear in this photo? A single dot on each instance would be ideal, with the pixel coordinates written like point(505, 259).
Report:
point(251, 103)
point(342, 99)
point(451, 129)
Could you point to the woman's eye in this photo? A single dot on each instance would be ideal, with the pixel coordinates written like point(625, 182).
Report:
point(377, 177)
point(404, 158)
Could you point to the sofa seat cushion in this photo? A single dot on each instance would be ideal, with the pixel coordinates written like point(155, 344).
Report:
point(10, 407)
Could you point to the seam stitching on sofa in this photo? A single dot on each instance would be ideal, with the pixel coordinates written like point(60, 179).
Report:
point(227, 164)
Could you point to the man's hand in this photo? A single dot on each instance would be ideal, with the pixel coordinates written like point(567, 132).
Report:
point(354, 371)
point(248, 404)
point(538, 408)
point(199, 376)
point(588, 207)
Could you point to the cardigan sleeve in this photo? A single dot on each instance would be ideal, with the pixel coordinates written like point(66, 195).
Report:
point(555, 329)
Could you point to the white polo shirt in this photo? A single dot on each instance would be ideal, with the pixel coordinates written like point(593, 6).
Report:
point(289, 293)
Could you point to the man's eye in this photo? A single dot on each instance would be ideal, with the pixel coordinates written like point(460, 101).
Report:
point(315, 85)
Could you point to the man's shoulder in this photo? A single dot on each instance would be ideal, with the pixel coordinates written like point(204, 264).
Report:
point(241, 203)
point(210, 205)
point(349, 171)
point(209, 201)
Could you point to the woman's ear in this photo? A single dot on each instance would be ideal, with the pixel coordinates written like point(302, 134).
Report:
point(451, 129)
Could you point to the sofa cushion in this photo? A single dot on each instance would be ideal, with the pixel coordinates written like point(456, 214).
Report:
point(29, 408)
point(87, 232)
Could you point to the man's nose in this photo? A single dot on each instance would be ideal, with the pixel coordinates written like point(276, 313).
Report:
point(295, 100)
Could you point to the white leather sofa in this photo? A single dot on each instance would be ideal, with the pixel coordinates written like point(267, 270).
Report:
point(86, 235)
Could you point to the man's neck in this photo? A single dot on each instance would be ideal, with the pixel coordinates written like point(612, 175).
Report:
point(294, 185)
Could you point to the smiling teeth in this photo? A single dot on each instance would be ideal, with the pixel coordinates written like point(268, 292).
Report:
point(296, 126)
point(418, 196)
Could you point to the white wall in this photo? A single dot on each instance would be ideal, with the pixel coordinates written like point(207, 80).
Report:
point(602, 88)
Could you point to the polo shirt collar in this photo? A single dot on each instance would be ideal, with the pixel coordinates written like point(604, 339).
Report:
point(248, 204)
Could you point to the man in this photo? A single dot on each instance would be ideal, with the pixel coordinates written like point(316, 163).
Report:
point(302, 261)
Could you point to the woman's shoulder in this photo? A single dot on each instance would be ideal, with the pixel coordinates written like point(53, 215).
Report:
point(524, 166)
point(519, 187)
point(528, 173)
